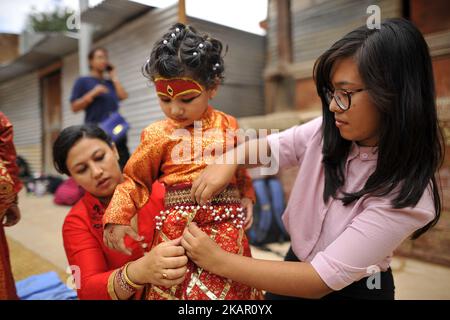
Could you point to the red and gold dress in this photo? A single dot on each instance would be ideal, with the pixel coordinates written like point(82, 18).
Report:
point(10, 185)
point(176, 156)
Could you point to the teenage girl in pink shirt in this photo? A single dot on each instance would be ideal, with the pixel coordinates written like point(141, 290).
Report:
point(367, 173)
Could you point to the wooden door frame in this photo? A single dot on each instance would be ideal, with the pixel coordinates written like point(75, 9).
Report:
point(44, 74)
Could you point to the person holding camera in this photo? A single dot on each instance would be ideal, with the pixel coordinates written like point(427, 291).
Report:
point(99, 94)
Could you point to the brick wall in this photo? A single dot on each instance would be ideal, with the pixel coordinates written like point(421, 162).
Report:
point(430, 16)
point(306, 95)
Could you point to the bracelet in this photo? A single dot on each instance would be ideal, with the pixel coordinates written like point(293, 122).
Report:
point(127, 279)
point(111, 285)
point(122, 283)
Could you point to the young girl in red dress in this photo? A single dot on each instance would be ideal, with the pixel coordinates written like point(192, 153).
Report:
point(186, 68)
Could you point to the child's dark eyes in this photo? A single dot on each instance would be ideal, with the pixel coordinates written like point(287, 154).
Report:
point(188, 99)
point(100, 157)
point(184, 100)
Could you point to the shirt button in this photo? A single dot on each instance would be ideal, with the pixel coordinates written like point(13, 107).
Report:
point(364, 156)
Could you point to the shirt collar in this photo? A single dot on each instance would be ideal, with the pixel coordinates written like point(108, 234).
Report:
point(93, 204)
point(364, 153)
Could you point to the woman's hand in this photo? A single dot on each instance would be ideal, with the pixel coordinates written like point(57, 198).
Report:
point(112, 73)
point(247, 204)
point(213, 180)
point(86, 100)
point(99, 89)
point(164, 265)
point(120, 91)
point(201, 249)
point(113, 237)
point(12, 216)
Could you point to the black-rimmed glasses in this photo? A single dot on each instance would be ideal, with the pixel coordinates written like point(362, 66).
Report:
point(342, 97)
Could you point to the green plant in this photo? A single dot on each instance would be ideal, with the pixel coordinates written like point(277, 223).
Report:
point(52, 21)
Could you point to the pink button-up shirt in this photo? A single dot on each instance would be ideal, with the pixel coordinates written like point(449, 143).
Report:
point(343, 243)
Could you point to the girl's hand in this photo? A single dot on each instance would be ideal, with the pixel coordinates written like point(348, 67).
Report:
point(113, 237)
point(200, 248)
point(11, 217)
point(247, 204)
point(164, 265)
point(213, 180)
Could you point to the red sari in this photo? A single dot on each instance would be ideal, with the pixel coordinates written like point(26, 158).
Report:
point(10, 185)
point(93, 264)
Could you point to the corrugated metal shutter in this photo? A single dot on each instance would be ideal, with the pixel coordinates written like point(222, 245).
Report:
point(242, 92)
point(20, 102)
point(128, 49)
point(313, 30)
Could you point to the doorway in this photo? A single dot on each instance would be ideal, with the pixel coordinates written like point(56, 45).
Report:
point(51, 116)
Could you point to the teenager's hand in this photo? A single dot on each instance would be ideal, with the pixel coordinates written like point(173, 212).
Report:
point(99, 89)
point(113, 73)
point(164, 265)
point(213, 180)
point(247, 204)
point(200, 248)
point(113, 237)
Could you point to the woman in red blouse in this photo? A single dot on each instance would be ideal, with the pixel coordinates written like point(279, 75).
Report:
point(87, 155)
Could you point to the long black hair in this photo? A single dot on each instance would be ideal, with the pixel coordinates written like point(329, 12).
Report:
point(69, 137)
point(395, 65)
point(184, 51)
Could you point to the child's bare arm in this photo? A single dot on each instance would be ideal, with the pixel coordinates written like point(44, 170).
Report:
point(247, 204)
point(114, 234)
point(247, 193)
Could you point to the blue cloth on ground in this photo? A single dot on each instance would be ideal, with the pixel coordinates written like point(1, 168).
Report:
point(45, 286)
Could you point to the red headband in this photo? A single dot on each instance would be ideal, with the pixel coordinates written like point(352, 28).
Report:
point(173, 87)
